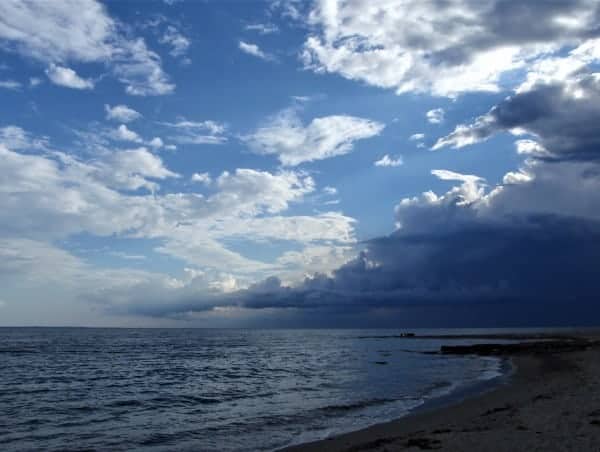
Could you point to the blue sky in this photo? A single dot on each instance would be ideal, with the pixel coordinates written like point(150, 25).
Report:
point(170, 163)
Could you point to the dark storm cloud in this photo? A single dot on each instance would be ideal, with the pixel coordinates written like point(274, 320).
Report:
point(534, 259)
point(563, 116)
point(513, 22)
point(544, 261)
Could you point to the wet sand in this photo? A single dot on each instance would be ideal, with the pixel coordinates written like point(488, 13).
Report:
point(550, 403)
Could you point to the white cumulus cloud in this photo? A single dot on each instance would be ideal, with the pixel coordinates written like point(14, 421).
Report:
point(294, 143)
point(125, 134)
point(202, 178)
point(67, 77)
point(121, 113)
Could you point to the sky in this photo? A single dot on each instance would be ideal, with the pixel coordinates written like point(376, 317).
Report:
point(295, 163)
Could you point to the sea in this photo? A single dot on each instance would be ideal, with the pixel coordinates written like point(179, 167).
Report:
point(216, 389)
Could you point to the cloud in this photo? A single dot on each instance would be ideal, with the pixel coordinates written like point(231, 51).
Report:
point(263, 29)
point(121, 113)
point(516, 177)
point(490, 252)
point(140, 70)
point(64, 195)
point(43, 268)
point(98, 139)
point(124, 134)
point(294, 143)
point(561, 116)
point(418, 137)
point(258, 191)
point(482, 248)
point(530, 147)
point(292, 10)
point(458, 251)
point(55, 195)
point(213, 127)
point(202, 178)
point(178, 42)
point(58, 33)
point(132, 169)
point(126, 256)
point(197, 132)
point(10, 84)
point(435, 116)
point(16, 138)
point(451, 175)
point(254, 50)
point(156, 143)
point(67, 77)
point(386, 160)
point(323, 228)
point(465, 246)
point(444, 48)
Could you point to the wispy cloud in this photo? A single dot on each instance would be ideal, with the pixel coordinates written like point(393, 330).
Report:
point(263, 29)
point(197, 132)
point(254, 50)
point(10, 84)
point(178, 42)
point(386, 160)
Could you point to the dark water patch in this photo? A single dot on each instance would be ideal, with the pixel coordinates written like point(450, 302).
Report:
point(354, 406)
point(124, 403)
point(18, 351)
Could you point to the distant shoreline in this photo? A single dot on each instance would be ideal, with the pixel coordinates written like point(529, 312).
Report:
point(551, 401)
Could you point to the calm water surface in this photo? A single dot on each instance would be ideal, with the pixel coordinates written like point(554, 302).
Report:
point(194, 389)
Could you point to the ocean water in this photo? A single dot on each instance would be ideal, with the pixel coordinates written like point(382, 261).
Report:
point(213, 390)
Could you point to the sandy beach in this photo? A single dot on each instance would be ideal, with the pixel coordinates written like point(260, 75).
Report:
point(550, 403)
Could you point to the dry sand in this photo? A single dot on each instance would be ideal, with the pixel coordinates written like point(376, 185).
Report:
point(551, 403)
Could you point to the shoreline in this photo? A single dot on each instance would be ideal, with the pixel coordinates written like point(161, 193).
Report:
point(549, 400)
